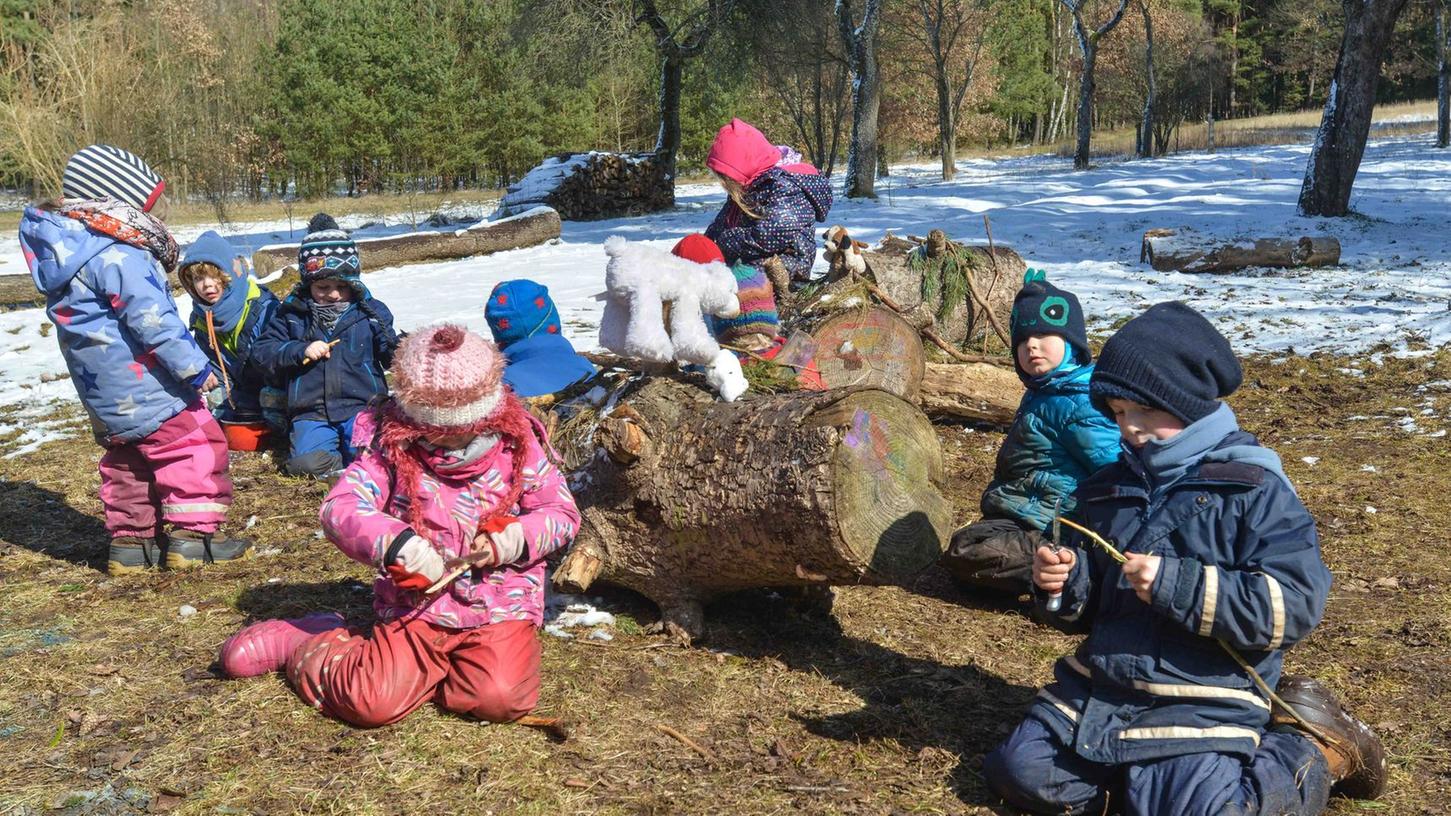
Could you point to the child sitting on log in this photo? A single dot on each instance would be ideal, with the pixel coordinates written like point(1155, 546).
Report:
point(330, 343)
point(773, 200)
point(1057, 440)
point(456, 504)
point(525, 324)
point(229, 313)
point(1215, 546)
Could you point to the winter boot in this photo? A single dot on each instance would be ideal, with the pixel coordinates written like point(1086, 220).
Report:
point(1356, 756)
point(994, 556)
point(188, 548)
point(265, 646)
point(130, 555)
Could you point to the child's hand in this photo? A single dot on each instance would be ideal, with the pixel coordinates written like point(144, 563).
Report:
point(504, 547)
point(416, 566)
point(211, 383)
point(316, 350)
point(1051, 569)
point(1141, 570)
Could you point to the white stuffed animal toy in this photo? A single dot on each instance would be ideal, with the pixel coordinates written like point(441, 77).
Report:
point(638, 279)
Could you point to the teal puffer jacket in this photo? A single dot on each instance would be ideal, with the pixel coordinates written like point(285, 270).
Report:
point(1058, 439)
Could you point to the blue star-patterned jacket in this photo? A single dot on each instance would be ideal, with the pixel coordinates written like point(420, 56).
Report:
point(131, 358)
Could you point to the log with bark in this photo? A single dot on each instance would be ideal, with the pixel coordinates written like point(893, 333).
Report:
point(516, 232)
point(1172, 250)
point(980, 392)
point(590, 186)
point(694, 498)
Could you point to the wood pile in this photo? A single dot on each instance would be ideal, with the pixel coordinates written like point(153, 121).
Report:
point(591, 186)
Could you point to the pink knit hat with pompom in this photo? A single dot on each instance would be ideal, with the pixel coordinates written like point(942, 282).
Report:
point(448, 377)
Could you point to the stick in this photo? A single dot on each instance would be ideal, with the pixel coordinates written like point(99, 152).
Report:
point(687, 742)
point(931, 335)
point(1097, 539)
point(982, 304)
point(329, 345)
point(555, 727)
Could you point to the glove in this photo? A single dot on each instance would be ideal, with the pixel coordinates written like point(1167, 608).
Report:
point(502, 537)
point(415, 566)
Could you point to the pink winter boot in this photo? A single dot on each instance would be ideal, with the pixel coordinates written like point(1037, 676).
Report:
point(265, 646)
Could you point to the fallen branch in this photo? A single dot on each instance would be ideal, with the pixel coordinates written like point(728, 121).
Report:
point(981, 302)
point(688, 742)
point(933, 336)
point(555, 727)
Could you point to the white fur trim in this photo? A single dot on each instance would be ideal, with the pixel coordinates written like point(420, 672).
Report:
point(454, 417)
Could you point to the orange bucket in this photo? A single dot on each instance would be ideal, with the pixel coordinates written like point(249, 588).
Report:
point(246, 436)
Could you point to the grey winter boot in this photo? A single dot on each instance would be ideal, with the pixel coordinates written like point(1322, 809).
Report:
point(131, 555)
point(188, 549)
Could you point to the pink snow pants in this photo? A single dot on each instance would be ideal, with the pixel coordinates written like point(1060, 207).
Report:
point(377, 678)
point(178, 474)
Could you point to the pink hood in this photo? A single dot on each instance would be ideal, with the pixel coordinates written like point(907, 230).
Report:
point(740, 153)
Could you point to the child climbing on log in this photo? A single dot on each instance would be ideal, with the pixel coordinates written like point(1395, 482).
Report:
point(100, 256)
point(1057, 439)
point(229, 313)
point(455, 504)
point(330, 343)
point(1215, 546)
point(773, 200)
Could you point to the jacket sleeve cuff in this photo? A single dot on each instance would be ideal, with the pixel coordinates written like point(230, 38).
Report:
point(403, 537)
point(1176, 586)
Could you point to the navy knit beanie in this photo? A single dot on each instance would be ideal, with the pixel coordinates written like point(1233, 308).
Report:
point(1042, 308)
point(1169, 358)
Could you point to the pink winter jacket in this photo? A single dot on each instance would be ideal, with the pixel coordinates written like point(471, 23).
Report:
point(362, 517)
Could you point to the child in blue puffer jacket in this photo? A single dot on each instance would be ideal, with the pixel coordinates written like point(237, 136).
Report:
point(1222, 572)
point(1057, 440)
point(330, 343)
point(229, 313)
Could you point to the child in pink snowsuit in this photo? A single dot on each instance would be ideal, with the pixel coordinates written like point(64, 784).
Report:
point(457, 470)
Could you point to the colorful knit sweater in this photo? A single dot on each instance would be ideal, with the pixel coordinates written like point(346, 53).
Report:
point(758, 307)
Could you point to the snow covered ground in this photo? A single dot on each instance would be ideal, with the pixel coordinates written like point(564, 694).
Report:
point(1083, 228)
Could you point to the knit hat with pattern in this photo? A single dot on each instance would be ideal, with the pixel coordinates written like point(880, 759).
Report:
point(103, 171)
point(448, 378)
point(328, 252)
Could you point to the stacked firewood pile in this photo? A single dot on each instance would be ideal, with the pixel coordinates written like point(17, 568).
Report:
point(589, 186)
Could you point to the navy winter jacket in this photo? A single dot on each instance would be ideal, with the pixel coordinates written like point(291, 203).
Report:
point(336, 388)
point(1241, 564)
point(788, 203)
point(1057, 440)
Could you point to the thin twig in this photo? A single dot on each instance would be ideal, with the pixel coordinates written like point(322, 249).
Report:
point(1097, 539)
point(982, 304)
point(687, 742)
point(931, 335)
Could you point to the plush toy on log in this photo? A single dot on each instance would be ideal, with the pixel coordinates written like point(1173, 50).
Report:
point(1171, 250)
point(693, 498)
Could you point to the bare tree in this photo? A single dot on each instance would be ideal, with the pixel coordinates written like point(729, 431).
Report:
point(1443, 74)
point(675, 45)
point(1345, 125)
point(1088, 45)
point(866, 95)
point(1146, 126)
point(952, 34)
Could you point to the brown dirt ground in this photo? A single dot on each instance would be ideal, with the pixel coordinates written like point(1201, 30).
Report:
point(885, 705)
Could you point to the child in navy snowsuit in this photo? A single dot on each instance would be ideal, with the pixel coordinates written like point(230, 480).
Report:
point(331, 342)
point(229, 313)
point(101, 258)
point(1057, 440)
point(773, 200)
point(1219, 547)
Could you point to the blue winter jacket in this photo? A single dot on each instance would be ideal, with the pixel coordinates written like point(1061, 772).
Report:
point(1057, 440)
point(337, 387)
point(1241, 564)
point(133, 363)
point(788, 203)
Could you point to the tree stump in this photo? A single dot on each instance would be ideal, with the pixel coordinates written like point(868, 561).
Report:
point(694, 498)
point(930, 280)
point(1171, 250)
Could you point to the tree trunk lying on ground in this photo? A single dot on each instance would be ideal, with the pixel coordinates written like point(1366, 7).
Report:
point(980, 392)
point(516, 232)
point(1170, 250)
point(868, 347)
point(696, 498)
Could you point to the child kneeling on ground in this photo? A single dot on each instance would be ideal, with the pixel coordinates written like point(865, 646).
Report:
point(457, 470)
point(1218, 547)
point(1057, 440)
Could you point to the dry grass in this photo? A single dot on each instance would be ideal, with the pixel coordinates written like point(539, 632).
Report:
point(883, 705)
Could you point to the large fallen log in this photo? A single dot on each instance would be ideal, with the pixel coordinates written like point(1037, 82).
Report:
point(694, 498)
point(515, 232)
point(980, 392)
point(1171, 250)
point(868, 346)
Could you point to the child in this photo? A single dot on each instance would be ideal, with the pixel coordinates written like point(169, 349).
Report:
point(756, 326)
point(1219, 548)
point(525, 325)
point(229, 312)
point(458, 471)
point(1057, 440)
point(771, 206)
point(101, 260)
point(330, 343)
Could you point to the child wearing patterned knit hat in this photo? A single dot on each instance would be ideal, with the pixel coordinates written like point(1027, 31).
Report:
point(100, 256)
point(771, 203)
point(525, 324)
point(1057, 439)
point(459, 475)
point(330, 343)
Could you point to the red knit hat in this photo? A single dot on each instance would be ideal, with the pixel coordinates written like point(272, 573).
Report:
point(448, 377)
point(698, 248)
